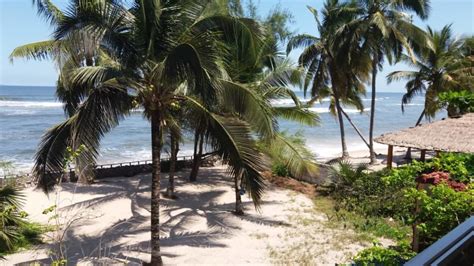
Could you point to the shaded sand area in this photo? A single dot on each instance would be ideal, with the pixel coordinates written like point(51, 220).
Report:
point(110, 224)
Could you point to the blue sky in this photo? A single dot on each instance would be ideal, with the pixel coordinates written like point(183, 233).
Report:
point(19, 25)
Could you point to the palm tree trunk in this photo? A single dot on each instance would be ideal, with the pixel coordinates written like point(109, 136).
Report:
point(155, 189)
point(355, 128)
point(192, 176)
point(174, 153)
point(198, 147)
point(238, 199)
point(341, 128)
point(372, 110)
point(408, 154)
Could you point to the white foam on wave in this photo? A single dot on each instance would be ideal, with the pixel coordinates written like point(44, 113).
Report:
point(324, 110)
point(376, 99)
point(289, 102)
point(30, 104)
point(16, 112)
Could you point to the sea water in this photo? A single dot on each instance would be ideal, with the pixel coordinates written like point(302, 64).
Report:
point(27, 112)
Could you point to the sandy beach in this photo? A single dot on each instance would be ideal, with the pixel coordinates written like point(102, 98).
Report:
point(109, 223)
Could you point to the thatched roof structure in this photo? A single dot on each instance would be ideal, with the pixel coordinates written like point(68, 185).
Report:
point(449, 135)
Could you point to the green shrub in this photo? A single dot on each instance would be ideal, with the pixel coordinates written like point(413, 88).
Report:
point(280, 169)
point(460, 166)
point(15, 231)
point(371, 193)
point(384, 256)
point(393, 194)
point(441, 209)
point(457, 102)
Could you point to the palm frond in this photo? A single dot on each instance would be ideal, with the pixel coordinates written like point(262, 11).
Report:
point(298, 114)
point(42, 50)
point(232, 138)
point(51, 154)
point(300, 41)
point(98, 114)
point(249, 106)
point(48, 10)
point(299, 160)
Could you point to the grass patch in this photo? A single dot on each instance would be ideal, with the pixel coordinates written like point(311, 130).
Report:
point(377, 226)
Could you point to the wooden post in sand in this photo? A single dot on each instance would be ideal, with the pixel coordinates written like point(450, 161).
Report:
point(423, 155)
point(390, 157)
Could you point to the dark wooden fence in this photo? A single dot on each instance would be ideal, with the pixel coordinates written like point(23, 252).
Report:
point(126, 169)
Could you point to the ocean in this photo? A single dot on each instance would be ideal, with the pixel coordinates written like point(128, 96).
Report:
point(26, 112)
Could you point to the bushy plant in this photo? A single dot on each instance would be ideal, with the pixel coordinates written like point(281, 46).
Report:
point(370, 193)
point(457, 102)
point(444, 195)
point(441, 208)
point(15, 231)
point(280, 169)
point(460, 166)
point(378, 255)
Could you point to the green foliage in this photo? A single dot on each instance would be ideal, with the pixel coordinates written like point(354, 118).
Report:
point(441, 209)
point(370, 193)
point(378, 255)
point(6, 167)
point(279, 169)
point(373, 225)
point(289, 155)
point(15, 231)
point(393, 194)
point(457, 102)
point(460, 166)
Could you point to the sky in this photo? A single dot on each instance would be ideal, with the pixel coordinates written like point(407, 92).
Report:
point(19, 24)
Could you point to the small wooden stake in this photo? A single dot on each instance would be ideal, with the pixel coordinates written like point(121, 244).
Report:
point(390, 157)
point(423, 155)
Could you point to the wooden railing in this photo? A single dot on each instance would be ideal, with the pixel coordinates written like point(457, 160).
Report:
point(107, 166)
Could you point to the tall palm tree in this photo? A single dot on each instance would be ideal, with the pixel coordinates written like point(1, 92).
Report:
point(441, 67)
point(386, 29)
point(154, 55)
point(267, 76)
point(327, 61)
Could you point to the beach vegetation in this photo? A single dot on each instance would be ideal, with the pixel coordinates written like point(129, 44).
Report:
point(378, 255)
point(386, 29)
point(113, 59)
point(212, 69)
point(328, 71)
point(441, 67)
point(16, 232)
point(457, 102)
point(431, 197)
point(6, 168)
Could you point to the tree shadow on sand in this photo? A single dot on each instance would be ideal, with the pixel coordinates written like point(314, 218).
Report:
point(177, 217)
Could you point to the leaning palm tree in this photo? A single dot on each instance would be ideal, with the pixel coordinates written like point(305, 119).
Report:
point(328, 65)
point(438, 68)
point(154, 55)
point(266, 77)
point(385, 29)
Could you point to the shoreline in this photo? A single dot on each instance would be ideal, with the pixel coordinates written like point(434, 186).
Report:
point(356, 156)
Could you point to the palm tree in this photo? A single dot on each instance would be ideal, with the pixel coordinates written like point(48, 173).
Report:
point(154, 55)
point(266, 76)
point(327, 61)
point(438, 68)
point(385, 30)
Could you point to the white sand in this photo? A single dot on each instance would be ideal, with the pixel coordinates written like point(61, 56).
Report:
point(111, 223)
